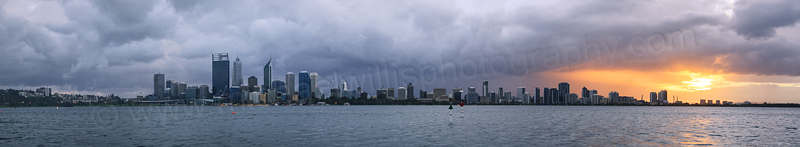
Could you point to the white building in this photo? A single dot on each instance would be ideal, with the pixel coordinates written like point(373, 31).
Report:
point(401, 93)
point(255, 97)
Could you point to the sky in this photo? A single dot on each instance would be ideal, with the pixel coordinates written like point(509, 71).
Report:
point(695, 49)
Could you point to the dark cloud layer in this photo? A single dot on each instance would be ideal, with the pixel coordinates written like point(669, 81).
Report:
point(116, 46)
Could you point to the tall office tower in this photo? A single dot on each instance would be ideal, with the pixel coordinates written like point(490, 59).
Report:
point(251, 83)
point(485, 88)
point(181, 90)
point(546, 96)
point(158, 85)
point(202, 92)
point(653, 98)
point(585, 93)
point(554, 96)
point(537, 99)
point(401, 93)
point(471, 89)
point(507, 96)
point(499, 93)
point(614, 97)
point(174, 92)
point(304, 86)
point(290, 84)
point(279, 85)
point(423, 94)
point(563, 90)
point(410, 91)
point(520, 92)
point(314, 76)
point(359, 90)
point(220, 74)
point(662, 96)
point(457, 96)
point(390, 93)
point(237, 73)
point(268, 75)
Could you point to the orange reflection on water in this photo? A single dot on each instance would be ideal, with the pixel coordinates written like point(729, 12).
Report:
point(694, 130)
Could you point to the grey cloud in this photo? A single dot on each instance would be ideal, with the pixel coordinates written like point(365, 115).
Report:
point(113, 46)
point(759, 19)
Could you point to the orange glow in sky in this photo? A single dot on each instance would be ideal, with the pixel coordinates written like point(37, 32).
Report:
point(688, 86)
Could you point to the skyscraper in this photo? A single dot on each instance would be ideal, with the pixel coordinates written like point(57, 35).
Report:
point(304, 86)
point(401, 93)
point(220, 75)
point(614, 97)
point(314, 89)
point(410, 91)
point(653, 98)
point(174, 91)
point(158, 85)
point(485, 88)
point(499, 94)
point(290, 84)
point(563, 90)
point(537, 97)
point(662, 96)
point(585, 93)
point(546, 96)
point(251, 83)
point(181, 91)
point(268, 74)
point(237, 73)
point(520, 92)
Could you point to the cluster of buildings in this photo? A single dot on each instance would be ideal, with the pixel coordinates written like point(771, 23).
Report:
point(46, 92)
point(711, 102)
point(41, 92)
point(228, 86)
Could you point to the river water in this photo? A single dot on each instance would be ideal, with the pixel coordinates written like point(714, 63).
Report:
point(399, 126)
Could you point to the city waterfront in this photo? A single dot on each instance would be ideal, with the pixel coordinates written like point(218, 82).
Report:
point(399, 126)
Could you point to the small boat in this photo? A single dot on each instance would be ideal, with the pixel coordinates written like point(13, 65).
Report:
point(347, 104)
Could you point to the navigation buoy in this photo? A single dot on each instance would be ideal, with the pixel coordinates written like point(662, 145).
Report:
point(234, 112)
point(462, 109)
point(451, 112)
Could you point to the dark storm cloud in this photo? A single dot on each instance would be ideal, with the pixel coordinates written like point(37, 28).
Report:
point(759, 19)
point(116, 46)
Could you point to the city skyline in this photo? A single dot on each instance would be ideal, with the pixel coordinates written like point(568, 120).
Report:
point(716, 50)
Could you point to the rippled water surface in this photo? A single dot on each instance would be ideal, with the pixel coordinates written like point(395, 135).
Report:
point(399, 126)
